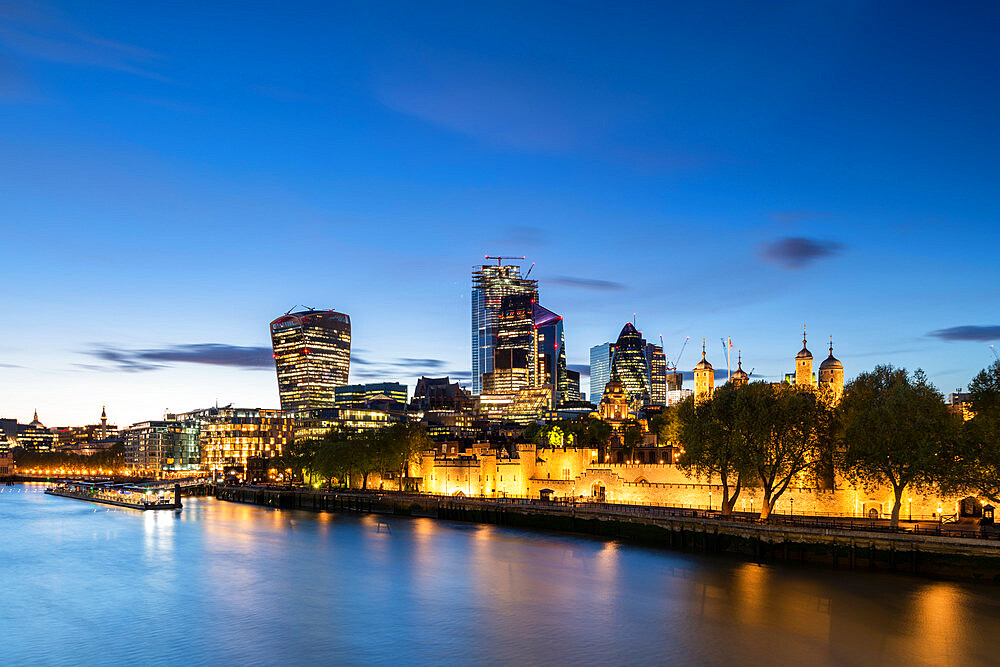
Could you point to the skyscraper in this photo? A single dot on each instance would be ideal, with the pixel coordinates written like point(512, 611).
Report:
point(629, 364)
point(601, 357)
point(312, 355)
point(549, 351)
point(490, 285)
point(657, 363)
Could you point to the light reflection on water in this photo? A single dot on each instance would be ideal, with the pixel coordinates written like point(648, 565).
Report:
point(229, 583)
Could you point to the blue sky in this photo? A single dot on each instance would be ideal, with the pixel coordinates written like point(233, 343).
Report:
point(174, 175)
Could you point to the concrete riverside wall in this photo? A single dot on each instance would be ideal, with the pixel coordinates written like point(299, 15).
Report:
point(572, 472)
point(951, 557)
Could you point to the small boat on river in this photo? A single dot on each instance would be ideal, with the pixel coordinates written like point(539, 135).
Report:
point(121, 495)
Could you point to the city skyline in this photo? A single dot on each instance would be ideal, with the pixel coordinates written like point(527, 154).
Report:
point(782, 169)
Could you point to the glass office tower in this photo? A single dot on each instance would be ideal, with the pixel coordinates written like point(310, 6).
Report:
point(629, 364)
point(312, 356)
point(601, 357)
point(550, 352)
point(657, 363)
point(490, 284)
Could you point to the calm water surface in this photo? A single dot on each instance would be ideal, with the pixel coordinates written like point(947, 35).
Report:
point(225, 583)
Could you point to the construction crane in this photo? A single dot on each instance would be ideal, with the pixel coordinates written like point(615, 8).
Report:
point(677, 359)
point(993, 349)
point(500, 259)
point(529, 270)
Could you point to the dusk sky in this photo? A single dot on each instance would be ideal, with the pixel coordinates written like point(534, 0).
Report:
point(174, 177)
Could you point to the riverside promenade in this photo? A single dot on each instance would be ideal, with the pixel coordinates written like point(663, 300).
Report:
point(940, 550)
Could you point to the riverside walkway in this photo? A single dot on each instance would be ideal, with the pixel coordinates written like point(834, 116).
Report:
point(842, 542)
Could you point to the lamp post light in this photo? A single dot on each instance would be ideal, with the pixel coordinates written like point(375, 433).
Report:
point(751, 506)
point(791, 504)
point(709, 501)
point(910, 506)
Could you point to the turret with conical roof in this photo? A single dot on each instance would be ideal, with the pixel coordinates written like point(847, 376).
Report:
point(804, 365)
point(704, 378)
point(831, 376)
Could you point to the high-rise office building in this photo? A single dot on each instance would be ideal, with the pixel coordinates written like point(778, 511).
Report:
point(312, 355)
point(490, 285)
point(358, 395)
point(550, 352)
point(601, 357)
point(629, 364)
point(656, 361)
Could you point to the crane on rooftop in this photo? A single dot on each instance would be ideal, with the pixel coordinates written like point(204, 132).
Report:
point(677, 359)
point(500, 259)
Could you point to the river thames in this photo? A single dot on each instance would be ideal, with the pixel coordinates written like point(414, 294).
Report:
point(225, 583)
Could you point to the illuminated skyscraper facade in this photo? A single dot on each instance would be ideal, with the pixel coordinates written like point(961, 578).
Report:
point(550, 352)
point(629, 364)
point(601, 357)
point(490, 285)
point(656, 361)
point(312, 356)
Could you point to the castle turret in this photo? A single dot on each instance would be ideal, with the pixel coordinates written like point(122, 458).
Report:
point(704, 378)
point(739, 378)
point(804, 365)
point(831, 376)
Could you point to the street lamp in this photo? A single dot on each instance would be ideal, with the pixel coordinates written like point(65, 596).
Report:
point(791, 503)
point(709, 501)
point(909, 502)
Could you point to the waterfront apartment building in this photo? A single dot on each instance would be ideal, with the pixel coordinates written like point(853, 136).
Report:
point(314, 424)
point(601, 357)
point(312, 356)
point(154, 448)
point(490, 285)
point(228, 436)
point(359, 395)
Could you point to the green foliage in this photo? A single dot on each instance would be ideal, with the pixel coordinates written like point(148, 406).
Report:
point(712, 442)
point(897, 431)
point(979, 458)
point(110, 459)
point(343, 454)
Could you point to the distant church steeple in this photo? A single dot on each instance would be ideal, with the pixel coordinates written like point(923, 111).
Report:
point(804, 364)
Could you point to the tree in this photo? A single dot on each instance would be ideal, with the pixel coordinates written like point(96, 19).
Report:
point(897, 431)
point(977, 468)
point(711, 442)
point(779, 431)
point(632, 437)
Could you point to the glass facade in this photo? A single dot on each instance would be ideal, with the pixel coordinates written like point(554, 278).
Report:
point(312, 356)
point(601, 357)
point(229, 436)
point(657, 364)
point(490, 284)
point(155, 447)
point(629, 364)
point(550, 352)
point(356, 395)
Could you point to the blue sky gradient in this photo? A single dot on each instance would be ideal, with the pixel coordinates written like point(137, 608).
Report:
point(175, 175)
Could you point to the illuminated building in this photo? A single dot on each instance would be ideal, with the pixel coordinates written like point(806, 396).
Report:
point(629, 364)
point(156, 447)
point(35, 437)
point(312, 356)
point(72, 438)
point(314, 424)
point(6, 462)
point(438, 394)
point(573, 393)
point(490, 285)
point(228, 436)
point(704, 378)
point(358, 395)
point(656, 361)
point(601, 357)
point(804, 365)
point(550, 352)
point(831, 376)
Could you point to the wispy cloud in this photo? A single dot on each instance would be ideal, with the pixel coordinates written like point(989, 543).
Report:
point(587, 283)
point(970, 332)
point(148, 359)
point(31, 33)
point(795, 252)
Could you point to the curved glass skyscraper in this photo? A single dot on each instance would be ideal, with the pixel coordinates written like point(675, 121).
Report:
point(629, 365)
point(312, 354)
